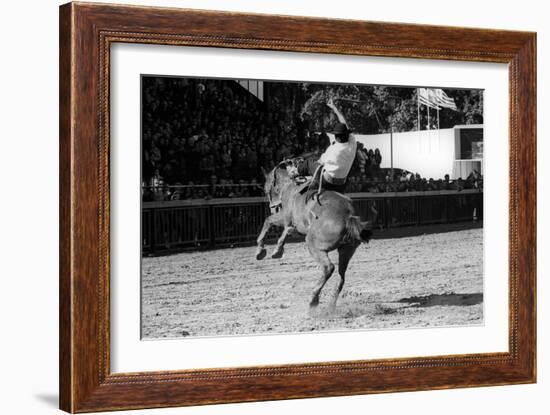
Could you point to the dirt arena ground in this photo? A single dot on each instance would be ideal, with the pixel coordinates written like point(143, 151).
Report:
point(420, 281)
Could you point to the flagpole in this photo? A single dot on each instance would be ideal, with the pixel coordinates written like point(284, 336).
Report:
point(428, 107)
point(418, 115)
point(428, 132)
point(438, 132)
point(429, 143)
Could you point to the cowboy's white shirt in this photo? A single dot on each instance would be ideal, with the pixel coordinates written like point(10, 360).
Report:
point(338, 157)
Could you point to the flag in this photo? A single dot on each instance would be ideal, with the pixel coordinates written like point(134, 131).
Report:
point(444, 100)
point(435, 98)
point(427, 97)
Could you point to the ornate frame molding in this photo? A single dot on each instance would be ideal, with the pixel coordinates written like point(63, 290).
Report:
point(86, 34)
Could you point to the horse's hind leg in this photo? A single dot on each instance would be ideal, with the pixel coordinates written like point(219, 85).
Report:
point(279, 249)
point(345, 252)
point(268, 223)
point(327, 268)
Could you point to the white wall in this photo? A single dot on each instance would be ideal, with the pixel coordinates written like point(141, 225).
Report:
point(28, 217)
point(430, 153)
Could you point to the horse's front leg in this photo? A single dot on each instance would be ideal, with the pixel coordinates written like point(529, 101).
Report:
point(268, 223)
point(279, 249)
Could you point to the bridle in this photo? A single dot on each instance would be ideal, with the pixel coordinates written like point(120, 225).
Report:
point(275, 206)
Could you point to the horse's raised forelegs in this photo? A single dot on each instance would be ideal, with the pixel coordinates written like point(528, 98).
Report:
point(345, 252)
point(279, 249)
point(327, 268)
point(275, 219)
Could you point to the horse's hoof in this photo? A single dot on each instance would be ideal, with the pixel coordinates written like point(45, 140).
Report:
point(313, 310)
point(261, 253)
point(278, 253)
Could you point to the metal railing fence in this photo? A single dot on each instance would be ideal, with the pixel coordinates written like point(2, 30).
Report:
point(196, 224)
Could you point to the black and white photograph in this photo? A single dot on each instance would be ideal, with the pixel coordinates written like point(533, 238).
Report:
point(288, 206)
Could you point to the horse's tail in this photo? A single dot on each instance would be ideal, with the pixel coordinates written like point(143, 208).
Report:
point(357, 231)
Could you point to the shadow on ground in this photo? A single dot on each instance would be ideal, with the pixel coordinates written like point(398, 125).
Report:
point(444, 300)
point(50, 399)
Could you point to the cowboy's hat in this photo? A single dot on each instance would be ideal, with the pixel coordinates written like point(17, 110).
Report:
point(340, 128)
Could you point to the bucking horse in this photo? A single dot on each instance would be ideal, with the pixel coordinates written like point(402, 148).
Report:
point(328, 222)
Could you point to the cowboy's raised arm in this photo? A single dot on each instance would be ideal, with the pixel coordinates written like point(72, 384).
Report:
point(340, 116)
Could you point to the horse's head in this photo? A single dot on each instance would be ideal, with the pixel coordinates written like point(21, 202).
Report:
point(275, 181)
point(294, 166)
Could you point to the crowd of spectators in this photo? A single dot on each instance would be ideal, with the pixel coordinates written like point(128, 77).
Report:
point(406, 182)
point(158, 190)
point(409, 182)
point(196, 128)
point(366, 164)
point(207, 139)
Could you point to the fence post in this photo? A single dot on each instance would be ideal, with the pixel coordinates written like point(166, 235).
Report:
point(211, 226)
point(446, 209)
point(387, 211)
point(153, 235)
point(417, 208)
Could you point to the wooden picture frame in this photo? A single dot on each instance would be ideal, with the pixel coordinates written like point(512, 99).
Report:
point(86, 33)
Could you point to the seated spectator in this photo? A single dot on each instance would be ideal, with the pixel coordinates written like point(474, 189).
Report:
point(178, 193)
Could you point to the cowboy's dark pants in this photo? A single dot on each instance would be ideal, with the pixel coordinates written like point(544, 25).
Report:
point(340, 188)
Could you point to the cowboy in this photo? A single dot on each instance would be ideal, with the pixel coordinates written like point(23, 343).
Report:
point(338, 158)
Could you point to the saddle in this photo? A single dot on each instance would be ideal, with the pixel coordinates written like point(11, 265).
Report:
point(304, 187)
point(307, 185)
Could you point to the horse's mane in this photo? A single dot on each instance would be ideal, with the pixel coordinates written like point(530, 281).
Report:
point(306, 163)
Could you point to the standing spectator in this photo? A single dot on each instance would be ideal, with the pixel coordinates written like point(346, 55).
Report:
point(156, 185)
point(446, 185)
point(377, 159)
point(206, 166)
point(251, 161)
point(226, 161)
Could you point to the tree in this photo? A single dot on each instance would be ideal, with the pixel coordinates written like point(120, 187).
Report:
point(371, 109)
